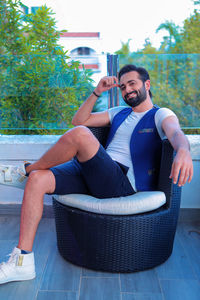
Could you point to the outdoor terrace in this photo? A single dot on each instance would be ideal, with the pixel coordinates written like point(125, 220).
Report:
point(178, 278)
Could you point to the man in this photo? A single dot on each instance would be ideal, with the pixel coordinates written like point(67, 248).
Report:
point(126, 166)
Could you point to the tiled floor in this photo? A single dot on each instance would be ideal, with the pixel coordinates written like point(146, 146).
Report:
point(176, 279)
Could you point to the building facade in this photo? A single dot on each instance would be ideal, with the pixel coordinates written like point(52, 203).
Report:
point(85, 47)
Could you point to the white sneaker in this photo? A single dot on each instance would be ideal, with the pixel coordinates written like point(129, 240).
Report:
point(13, 175)
point(18, 267)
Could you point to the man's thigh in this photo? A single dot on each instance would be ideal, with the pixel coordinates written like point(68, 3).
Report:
point(104, 177)
point(69, 179)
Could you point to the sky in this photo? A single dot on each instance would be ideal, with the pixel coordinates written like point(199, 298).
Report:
point(118, 21)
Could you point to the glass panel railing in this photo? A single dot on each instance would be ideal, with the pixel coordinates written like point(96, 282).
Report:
point(40, 94)
point(175, 82)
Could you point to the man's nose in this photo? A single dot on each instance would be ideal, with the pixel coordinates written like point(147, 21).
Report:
point(128, 89)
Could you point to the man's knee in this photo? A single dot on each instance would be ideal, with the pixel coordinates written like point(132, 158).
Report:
point(42, 180)
point(78, 135)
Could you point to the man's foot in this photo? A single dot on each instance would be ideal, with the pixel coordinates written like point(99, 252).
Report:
point(13, 175)
point(18, 267)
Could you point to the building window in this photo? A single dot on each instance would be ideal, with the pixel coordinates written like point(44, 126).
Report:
point(83, 51)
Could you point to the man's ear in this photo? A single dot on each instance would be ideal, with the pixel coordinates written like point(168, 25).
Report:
point(147, 84)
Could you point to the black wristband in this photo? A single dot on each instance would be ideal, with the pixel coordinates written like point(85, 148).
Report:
point(96, 94)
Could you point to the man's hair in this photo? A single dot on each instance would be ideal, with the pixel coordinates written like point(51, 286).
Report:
point(143, 74)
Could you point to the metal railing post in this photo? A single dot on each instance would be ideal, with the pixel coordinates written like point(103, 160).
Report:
point(112, 70)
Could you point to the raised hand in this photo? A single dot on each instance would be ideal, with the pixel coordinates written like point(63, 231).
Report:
point(106, 83)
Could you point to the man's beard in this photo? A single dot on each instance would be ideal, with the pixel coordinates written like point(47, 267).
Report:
point(141, 96)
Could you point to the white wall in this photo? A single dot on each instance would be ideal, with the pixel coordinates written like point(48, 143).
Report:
point(15, 149)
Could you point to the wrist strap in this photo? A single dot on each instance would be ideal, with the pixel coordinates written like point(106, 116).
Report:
point(96, 94)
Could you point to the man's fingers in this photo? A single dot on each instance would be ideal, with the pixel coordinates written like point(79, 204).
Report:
point(174, 172)
point(182, 175)
point(116, 79)
point(190, 175)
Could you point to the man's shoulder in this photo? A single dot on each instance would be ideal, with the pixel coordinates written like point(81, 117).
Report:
point(164, 111)
point(116, 109)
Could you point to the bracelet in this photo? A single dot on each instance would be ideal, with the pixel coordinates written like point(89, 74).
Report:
point(96, 94)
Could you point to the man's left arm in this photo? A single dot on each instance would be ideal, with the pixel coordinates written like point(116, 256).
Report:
point(182, 166)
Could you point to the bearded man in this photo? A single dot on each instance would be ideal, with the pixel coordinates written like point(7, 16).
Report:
point(77, 163)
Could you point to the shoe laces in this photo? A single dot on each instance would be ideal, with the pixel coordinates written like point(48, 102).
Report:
point(11, 260)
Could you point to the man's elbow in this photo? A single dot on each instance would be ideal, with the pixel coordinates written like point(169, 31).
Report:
point(76, 122)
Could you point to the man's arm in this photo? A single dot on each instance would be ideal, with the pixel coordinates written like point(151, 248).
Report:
point(182, 163)
point(84, 115)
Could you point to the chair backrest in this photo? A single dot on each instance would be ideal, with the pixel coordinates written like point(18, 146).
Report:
point(101, 133)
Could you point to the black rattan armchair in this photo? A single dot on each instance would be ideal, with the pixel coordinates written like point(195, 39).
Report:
point(120, 243)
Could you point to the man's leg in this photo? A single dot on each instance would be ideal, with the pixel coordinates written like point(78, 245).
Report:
point(79, 142)
point(65, 178)
point(21, 265)
point(38, 184)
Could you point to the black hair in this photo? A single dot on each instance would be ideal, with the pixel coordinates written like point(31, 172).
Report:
point(143, 74)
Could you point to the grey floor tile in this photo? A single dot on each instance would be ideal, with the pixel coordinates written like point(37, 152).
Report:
point(100, 289)
point(142, 296)
point(177, 266)
point(91, 273)
point(59, 274)
point(19, 290)
point(47, 225)
point(9, 228)
point(140, 282)
point(182, 289)
point(57, 295)
point(6, 247)
point(59, 280)
point(190, 241)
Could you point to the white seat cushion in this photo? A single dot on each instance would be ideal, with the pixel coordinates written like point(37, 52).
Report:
point(138, 203)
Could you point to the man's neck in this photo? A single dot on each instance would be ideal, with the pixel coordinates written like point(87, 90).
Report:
point(144, 106)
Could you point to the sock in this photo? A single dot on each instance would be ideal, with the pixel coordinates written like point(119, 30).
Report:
point(25, 252)
point(26, 165)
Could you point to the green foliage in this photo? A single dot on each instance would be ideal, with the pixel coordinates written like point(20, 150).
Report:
point(191, 34)
point(40, 90)
point(174, 68)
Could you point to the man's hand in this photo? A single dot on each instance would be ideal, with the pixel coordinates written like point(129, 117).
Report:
point(105, 84)
point(182, 166)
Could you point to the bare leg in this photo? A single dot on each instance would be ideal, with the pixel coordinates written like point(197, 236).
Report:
point(78, 141)
point(39, 183)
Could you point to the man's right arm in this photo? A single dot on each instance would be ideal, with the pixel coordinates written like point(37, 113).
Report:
point(84, 115)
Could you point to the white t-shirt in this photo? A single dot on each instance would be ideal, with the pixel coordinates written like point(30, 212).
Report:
point(119, 148)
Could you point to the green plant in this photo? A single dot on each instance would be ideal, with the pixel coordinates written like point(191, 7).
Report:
point(40, 88)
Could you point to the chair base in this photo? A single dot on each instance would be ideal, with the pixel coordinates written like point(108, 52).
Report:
point(114, 243)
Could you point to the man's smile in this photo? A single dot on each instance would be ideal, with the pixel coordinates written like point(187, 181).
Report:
point(132, 94)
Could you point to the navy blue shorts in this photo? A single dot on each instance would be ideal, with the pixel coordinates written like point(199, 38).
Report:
point(100, 177)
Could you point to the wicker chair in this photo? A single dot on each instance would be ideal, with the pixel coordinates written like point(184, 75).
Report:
point(119, 243)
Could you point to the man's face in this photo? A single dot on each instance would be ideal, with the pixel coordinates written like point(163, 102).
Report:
point(133, 89)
